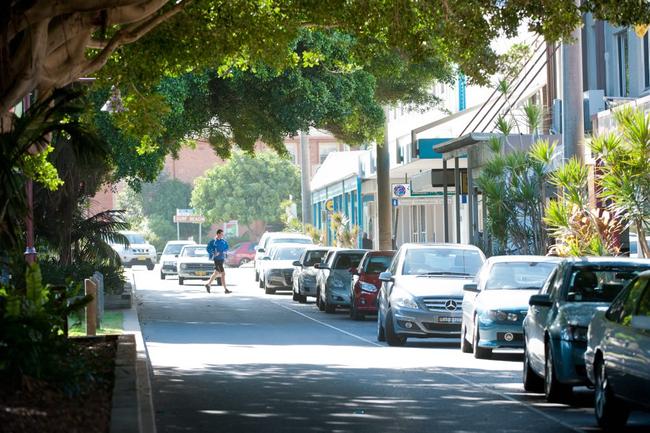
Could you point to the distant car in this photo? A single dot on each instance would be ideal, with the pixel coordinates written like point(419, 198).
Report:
point(555, 328)
point(304, 273)
point(241, 254)
point(139, 251)
point(194, 263)
point(277, 272)
point(495, 306)
point(365, 283)
point(334, 278)
point(170, 256)
point(617, 358)
point(270, 238)
point(422, 292)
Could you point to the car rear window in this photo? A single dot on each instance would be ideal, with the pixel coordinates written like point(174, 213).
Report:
point(599, 283)
point(440, 261)
point(518, 275)
point(378, 264)
point(348, 260)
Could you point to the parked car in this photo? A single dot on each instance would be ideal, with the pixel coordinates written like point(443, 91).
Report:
point(555, 328)
point(138, 252)
point(194, 263)
point(495, 305)
point(422, 292)
point(304, 273)
point(334, 278)
point(365, 283)
point(277, 271)
point(170, 256)
point(270, 238)
point(241, 254)
point(617, 358)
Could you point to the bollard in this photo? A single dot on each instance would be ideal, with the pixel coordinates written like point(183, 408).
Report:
point(91, 309)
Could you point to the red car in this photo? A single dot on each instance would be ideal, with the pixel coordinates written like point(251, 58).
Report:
point(366, 284)
point(241, 254)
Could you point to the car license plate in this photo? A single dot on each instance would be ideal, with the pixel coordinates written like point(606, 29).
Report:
point(201, 273)
point(142, 258)
point(446, 319)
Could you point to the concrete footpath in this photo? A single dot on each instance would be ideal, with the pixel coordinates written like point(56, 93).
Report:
point(146, 414)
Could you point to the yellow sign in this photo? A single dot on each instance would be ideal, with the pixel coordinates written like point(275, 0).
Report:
point(641, 29)
point(329, 205)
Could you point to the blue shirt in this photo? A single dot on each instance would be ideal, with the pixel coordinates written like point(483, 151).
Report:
point(217, 249)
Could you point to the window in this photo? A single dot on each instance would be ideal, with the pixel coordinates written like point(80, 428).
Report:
point(623, 64)
point(646, 60)
point(523, 275)
point(292, 148)
point(325, 149)
point(644, 303)
point(623, 307)
point(314, 257)
point(377, 264)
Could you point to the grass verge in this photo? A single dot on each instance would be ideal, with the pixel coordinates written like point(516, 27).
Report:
point(112, 324)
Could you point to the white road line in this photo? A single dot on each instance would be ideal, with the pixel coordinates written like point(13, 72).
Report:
point(467, 381)
point(524, 404)
point(365, 340)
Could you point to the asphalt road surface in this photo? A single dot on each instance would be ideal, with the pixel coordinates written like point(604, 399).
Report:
point(250, 362)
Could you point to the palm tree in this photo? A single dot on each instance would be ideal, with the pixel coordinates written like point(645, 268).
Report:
point(624, 177)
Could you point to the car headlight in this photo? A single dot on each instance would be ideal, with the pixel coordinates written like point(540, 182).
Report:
point(490, 316)
point(574, 332)
point(405, 301)
point(183, 265)
point(368, 287)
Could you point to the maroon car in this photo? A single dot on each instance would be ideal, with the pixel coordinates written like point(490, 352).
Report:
point(241, 254)
point(366, 284)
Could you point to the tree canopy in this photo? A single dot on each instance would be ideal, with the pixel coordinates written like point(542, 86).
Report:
point(246, 188)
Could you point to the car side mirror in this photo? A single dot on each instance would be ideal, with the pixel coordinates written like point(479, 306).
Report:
point(471, 287)
point(316, 265)
point(641, 322)
point(354, 271)
point(260, 250)
point(540, 301)
point(297, 263)
point(386, 276)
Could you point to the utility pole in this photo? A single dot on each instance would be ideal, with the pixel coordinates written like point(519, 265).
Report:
point(305, 174)
point(573, 128)
point(384, 214)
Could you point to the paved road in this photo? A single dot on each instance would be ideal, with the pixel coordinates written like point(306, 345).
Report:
point(249, 362)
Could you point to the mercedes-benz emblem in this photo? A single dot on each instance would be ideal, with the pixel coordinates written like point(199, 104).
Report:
point(451, 305)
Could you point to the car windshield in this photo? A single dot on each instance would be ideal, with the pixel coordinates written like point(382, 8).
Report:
point(441, 261)
point(313, 257)
point(600, 283)
point(378, 264)
point(518, 275)
point(198, 251)
point(348, 260)
point(173, 248)
point(289, 241)
point(135, 238)
point(288, 253)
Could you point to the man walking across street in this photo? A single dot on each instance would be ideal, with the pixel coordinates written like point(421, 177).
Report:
point(217, 249)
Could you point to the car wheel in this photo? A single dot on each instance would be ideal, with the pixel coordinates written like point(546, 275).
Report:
point(554, 390)
point(295, 296)
point(392, 338)
point(381, 334)
point(479, 352)
point(150, 267)
point(532, 382)
point(465, 345)
point(257, 276)
point(181, 280)
point(329, 308)
point(610, 412)
point(162, 276)
point(244, 261)
point(268, 290)
point(354, 313)
point(319, 302)
point(261, 283)
point(302, 299)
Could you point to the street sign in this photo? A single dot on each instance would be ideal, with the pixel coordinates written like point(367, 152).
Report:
point(184, 212)
point(192, 219)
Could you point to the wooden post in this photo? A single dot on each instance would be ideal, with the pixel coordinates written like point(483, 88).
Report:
point(91, 309)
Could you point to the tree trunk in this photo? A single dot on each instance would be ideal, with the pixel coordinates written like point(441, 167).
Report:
point(643, 244)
